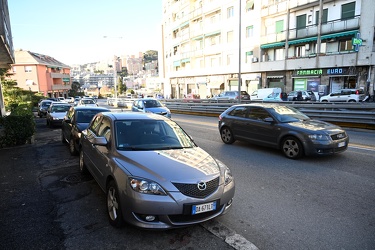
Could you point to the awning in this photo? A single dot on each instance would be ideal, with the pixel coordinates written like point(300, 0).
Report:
point(339, 34)
point(275, 76)
point(185, 60)
point(272, 45)
point(213, 33)
point(177, 63)
point(303, 40)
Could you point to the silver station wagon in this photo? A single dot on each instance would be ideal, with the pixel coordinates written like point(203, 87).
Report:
point(152, 172)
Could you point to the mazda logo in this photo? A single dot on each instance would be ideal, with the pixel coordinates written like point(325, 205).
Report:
point(202, 185)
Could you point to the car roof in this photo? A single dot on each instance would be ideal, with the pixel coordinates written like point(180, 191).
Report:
point(90, 108)
point(134, 116)
point(264, 105)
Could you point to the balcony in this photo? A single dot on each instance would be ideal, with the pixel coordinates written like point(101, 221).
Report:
point(59, 75)
point(332, 27)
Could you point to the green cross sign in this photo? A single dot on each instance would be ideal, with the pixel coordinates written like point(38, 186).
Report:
point(357, 41)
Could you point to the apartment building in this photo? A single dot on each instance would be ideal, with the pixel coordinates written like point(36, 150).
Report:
point(40, 73)
point(323, 45)
point(6, 46)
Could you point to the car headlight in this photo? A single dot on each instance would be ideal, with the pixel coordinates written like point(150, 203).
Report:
point(228, 177)
point(320, 137)
point(55, 118)
point(145, 186)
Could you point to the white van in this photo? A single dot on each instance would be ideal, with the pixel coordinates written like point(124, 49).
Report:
point(260, 94)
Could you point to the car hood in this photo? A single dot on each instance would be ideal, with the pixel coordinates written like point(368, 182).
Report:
point(176, 165)
point(157, 109)
point(315, 125)
point(82, 126)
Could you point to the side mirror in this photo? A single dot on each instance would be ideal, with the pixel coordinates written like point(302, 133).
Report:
point(101, 141)
point(268, 119)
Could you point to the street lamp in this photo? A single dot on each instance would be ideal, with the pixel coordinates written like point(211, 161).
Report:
point(114, 67)
point(239, 54)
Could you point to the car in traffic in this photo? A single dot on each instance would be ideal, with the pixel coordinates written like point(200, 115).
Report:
point(77, 119)
point(231, 96)
point(301, 95)
point(281, 127)
point(150, 105)
point(87, 102)
point(56, 112)
point(345, 95)
point(153, 173)
point(42, 107)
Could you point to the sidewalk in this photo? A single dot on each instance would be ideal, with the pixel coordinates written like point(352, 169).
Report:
point(26, 210)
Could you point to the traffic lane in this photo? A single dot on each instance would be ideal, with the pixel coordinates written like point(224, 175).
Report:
point(285, 204)
point(81, 207)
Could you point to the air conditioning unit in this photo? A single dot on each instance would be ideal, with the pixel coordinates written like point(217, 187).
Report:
point(255, 59)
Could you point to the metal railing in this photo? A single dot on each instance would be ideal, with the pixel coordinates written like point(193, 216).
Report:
point(355, 115)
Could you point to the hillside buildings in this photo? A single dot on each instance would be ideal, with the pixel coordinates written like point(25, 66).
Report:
point(321, 45)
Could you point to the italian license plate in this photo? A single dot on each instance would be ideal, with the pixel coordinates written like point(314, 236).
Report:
point(202, 208)
point(341, 144)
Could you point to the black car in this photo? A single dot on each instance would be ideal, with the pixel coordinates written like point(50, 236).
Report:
point(76, 120)
point(43, 107)
point(282, 127)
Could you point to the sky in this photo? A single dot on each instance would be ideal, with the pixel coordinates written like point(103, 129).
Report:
point(73, 31)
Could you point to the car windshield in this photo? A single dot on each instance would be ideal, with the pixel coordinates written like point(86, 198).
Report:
point(88, 101)
point(60, 108)
point(150, 135)
point(288, 114)
point(152, 104)
point(46, 104)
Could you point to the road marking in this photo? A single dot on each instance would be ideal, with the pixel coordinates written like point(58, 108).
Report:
point(359, 146)
point(233, 239)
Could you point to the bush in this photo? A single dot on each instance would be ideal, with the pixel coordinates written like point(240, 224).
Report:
point(17, 128)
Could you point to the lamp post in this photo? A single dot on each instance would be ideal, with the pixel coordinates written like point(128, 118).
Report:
point(239, 54)
point(114, 68)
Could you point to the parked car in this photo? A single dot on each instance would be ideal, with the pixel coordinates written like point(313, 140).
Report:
point(232, 96)
point(192, 98)
point(301, 95)
point(151, 105)
point(42, 107)
point(87, 102)
point(281, 127)
point(153, 174)
point(76, 120)
point(56, 112)
point(276, 97)
point(345, 95)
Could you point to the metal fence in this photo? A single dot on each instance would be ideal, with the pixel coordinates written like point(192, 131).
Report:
point(355, 115)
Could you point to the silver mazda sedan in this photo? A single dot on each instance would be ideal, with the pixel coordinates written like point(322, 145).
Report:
point(152, 172)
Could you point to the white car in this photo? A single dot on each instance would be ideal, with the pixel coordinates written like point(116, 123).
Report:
point(87, 102)
point(345, 95)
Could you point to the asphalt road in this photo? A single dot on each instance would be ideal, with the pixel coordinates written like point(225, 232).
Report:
point(47, 204)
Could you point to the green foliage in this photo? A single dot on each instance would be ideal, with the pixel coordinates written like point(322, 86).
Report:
point(17, 128)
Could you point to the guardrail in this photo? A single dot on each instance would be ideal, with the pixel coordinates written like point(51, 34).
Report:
point(354, 115)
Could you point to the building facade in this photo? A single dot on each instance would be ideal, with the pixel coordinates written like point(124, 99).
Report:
point(323, 45)
point(40, 74)
point(6, 46)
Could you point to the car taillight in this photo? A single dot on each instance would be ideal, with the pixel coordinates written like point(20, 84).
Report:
point(220, 118)
point(357, 92)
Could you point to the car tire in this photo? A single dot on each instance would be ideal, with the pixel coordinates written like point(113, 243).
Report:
point(352, 101)
point(114, 206)
point(62, 137)
point(82, 164)
point(226, 135)
point(72, 147)
point(292, 147)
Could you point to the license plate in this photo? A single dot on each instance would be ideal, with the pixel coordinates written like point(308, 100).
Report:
point(202, 208)
point(341, 144)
